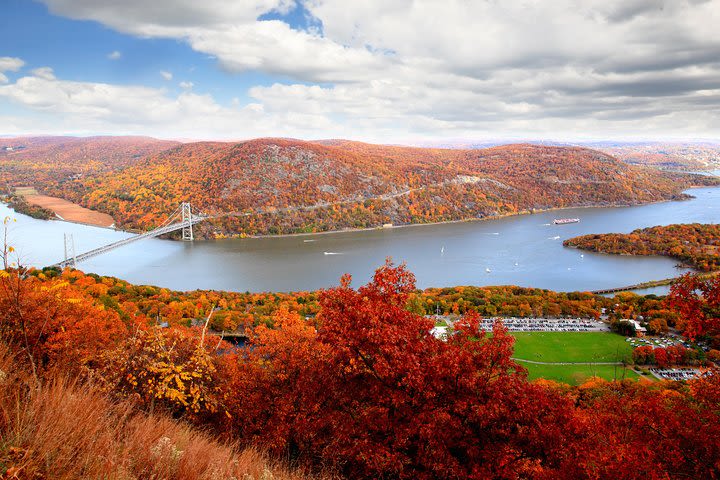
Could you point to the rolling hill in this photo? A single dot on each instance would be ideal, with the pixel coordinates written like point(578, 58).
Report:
point(279, 186)
point(46, 160)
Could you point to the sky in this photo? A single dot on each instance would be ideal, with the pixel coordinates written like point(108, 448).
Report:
point(390, 71)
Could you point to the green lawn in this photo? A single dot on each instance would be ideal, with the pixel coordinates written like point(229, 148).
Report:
point(583, 347)
point(571, 346)
point(577, 374)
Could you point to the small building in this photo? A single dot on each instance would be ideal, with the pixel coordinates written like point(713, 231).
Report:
point(387, 225)
point(640, 331)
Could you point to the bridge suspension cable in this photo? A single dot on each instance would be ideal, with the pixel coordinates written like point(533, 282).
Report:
point(186, 221)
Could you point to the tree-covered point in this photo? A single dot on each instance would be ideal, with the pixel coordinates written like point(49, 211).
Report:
point(20, 205)
point(695, 244)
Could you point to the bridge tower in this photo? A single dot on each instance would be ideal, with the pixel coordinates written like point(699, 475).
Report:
point(70, 258)
point(187, 217)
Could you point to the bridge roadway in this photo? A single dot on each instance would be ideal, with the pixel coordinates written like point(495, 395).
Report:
point(639, 286)
point(106, 248)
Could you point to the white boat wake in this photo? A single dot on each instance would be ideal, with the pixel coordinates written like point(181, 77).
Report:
point(332, 253)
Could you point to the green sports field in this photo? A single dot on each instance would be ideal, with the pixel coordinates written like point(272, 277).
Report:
point(577, 374)
point(573, 347)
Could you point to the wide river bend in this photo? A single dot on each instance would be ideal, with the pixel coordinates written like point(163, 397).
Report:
point(523, 250)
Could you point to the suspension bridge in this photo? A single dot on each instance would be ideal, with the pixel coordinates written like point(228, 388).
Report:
point(180, 219)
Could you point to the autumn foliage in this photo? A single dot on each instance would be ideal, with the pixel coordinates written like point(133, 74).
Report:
point(697, 302)
point(696, 244)
point(277, 186)
point(362, 389)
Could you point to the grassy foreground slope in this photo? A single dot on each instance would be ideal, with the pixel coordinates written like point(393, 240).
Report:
point(63, 429)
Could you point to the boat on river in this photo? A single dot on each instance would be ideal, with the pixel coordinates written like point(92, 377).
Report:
point(563, 221)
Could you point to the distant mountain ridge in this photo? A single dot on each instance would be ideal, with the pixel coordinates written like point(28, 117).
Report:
point(43, 159)
point(678, 155)
point(279, 186)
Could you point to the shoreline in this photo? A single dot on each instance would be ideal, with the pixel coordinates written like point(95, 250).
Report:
point(378, 228)
point(464, 220)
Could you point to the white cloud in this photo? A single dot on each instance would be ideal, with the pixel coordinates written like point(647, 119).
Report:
point(186, 85)
point(148, 17)
point(230, 31)
point(9, 64)
point(429, 68)
point(69, 107)
point(45, 73)
point(166, 75)
point(114, 55)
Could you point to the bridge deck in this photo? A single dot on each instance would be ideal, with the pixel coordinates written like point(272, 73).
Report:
point(106, 248)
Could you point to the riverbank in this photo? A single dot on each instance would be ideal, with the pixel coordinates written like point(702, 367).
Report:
point(74, 213)
point(463, 220)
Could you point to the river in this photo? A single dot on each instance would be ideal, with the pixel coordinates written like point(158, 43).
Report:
point(522, 250)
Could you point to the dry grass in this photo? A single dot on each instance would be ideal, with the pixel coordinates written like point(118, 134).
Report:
point(63, 430)
point(70, 211)
point(25, 191)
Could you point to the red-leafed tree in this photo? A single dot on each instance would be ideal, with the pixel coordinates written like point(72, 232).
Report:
point(374, 394)
point(661, 357)
point(272, 387)
point(628, 430)
point(697, 301)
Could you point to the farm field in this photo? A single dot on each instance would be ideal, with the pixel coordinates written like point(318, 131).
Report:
point(65, 209)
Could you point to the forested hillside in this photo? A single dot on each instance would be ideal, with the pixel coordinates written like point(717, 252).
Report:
point(273, 186)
